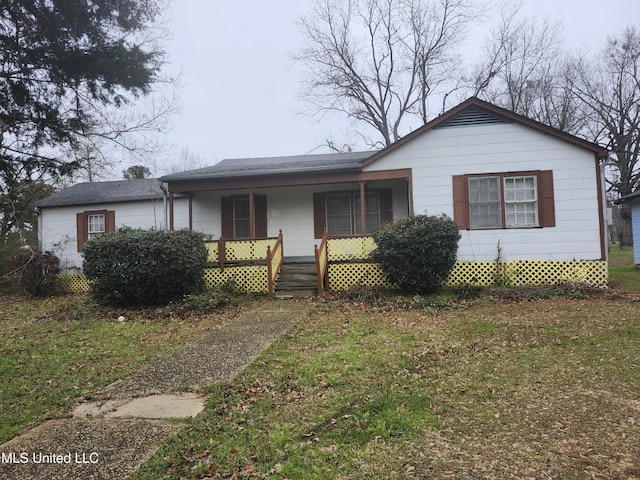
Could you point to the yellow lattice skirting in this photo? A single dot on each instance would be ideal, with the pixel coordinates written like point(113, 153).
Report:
point(72, 283)
point(343, 276)
point(251, 279)
point(248, 278)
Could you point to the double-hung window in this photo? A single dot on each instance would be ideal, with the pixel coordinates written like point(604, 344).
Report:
point(340, 213)
point(241, 218)
point(95, 224)
point(91, 224)
point(521, 201)
point(236, 216)
point(371, 212)
point(504, 200)
point(484, 202)
point(343, 213)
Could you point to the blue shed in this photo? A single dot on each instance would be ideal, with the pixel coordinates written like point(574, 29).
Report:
point(634, 200)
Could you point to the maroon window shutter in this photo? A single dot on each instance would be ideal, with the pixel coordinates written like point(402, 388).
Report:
point(386, 205)
point(109, 221)
point(319, 216)
point(546, 205)
point(260, 205)
point(82, 228)
point(460, 202)
point(226, 211)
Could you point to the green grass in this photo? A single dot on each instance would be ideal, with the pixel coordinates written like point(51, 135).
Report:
point(623, 274)
point(56, 351)
point(535, 389)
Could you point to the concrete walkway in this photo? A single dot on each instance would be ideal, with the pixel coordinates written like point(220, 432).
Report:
point(109, 437)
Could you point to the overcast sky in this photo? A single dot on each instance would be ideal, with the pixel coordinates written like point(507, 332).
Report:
point(239, 95)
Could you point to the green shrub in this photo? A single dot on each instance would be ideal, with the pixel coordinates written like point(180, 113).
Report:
point(35, 271)
point(144, 267)
point(418, 253)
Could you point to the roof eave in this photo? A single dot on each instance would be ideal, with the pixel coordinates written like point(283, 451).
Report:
point(248, 175)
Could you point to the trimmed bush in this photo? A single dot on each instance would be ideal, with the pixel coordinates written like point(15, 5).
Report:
point(418, 253)
point(133, 267)
point(35, 271)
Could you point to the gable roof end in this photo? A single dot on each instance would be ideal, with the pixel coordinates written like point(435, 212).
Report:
point(474, 111)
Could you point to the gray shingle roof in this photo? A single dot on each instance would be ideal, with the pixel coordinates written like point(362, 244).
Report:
point(237, 167)
point(104, 192)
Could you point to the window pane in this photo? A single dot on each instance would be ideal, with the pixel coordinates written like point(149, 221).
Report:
point(484, 202)
point(521, 202)
point(371, 213)
point(339, 214)
point(522, 214)
point(241, 218)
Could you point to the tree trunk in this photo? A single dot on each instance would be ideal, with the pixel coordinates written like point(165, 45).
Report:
point(626, 231)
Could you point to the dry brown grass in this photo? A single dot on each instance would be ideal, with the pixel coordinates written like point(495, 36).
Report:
point(494, 390)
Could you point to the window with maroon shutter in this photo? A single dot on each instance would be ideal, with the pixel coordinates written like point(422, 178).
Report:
point(339, 212)
point(504, 200)
point(91, 224)
point(236, 216)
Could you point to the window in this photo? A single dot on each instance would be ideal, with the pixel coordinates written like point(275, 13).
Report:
point(338, 213)
point(91, 224)
point(484, 202)
point(371, 212)
point(508, 200)
point(236, 216)
point(95, 225)
point(241, 218)
point(521, 201)
point(343, 213)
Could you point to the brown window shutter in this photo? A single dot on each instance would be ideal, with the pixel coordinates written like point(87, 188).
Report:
point(546, 203)
point(386, 205)
point(460, 202)
point(82, 229)
point(260, 205)
point(319, 216)
point(109, 221)
point(226, 211)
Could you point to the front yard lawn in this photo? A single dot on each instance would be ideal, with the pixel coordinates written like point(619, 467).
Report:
point(517, 383)
point(623, 274)
point(490, 389)
point(57, 351)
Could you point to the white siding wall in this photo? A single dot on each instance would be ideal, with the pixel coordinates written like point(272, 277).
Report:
point(441, 153)
point(58, 230)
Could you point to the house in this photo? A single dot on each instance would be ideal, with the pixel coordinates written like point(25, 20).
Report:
point(67, 219)
point(634, 200)
point(528, 199)
point(520, 191)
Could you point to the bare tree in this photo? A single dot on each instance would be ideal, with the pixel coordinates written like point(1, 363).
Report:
point(609, 88)
point(524, 69)
point(186, 160)
point(379, 62)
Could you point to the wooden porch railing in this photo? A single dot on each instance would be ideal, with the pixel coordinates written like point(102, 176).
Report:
point(322, 262)
point(232, 252)
point(275, 257)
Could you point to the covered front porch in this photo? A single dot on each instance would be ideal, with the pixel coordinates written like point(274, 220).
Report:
point(353, 203)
